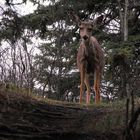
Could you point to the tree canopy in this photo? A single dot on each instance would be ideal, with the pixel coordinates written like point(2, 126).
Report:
point(53, 69)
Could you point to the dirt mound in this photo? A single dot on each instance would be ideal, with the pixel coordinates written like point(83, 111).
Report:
point(25, 118)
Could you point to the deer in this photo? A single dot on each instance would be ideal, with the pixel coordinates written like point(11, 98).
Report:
point(90, 59)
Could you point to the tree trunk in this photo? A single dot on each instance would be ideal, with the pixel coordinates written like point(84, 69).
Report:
point(123, 13)
point(126, 21)
point(121, 19)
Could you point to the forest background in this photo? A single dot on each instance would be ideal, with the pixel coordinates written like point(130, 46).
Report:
point(38, 49)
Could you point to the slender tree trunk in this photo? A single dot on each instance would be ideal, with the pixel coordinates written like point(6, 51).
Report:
point(29, 64)
point(126, 21)
point(13, 54)
point(121, 18)
point(123, 13)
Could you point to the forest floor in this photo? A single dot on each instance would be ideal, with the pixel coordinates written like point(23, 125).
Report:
point(24, 117)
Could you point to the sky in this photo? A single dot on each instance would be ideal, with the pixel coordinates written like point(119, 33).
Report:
point(22, 9)
point(25, 8)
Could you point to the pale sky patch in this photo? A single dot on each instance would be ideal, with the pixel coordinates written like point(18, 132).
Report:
point(23, 9)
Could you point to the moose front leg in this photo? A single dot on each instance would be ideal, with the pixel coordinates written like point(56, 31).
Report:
point(82, 86)
point(87, 83)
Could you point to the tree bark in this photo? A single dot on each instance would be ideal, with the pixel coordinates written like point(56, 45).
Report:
point(121, 18)
point(123, 13)
point(126, 21)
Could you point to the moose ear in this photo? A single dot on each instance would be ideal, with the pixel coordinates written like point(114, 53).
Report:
point(77, 20)
point(74, 17)
point(99, 20)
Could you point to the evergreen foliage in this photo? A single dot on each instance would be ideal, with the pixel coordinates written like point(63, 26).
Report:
point(53, 66)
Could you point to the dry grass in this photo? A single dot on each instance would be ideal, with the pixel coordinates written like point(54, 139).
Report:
point(17, 94)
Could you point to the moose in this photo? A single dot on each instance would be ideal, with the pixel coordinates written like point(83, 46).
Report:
point(90, 59)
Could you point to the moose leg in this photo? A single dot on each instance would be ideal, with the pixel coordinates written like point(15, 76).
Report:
point(97, 80)
point(88, 88)
point(82, 86)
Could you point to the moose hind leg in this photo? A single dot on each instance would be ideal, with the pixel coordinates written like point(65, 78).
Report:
point(82, 86)
point(82, 89)
point(97, 80)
